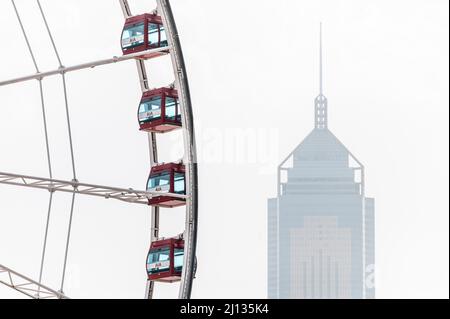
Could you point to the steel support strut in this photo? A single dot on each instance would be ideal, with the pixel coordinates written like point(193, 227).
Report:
point(27, 286)
point(153, 150)
point(54, 185)
point(89, 65)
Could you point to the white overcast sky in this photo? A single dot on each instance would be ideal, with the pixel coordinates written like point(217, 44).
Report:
point(253, 69)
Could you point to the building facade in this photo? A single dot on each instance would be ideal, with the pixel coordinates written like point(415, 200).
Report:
point(321, 225)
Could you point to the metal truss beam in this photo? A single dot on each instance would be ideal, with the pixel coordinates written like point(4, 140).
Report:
point(89, 65)
point(27, 286)
point(53, 185)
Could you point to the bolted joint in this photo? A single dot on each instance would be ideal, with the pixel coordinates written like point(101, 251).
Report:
point(75, 183)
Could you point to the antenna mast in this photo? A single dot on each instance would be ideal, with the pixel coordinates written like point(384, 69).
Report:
point(321, 103)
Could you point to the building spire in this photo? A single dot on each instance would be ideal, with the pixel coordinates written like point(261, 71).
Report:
point(321, 103)
point(321, 61)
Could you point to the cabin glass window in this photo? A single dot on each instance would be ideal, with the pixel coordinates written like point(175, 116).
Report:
point(164, 41)
point(133, 36)
point(159, 182)
point(150, 110)
point(171, 108)
point(179, 183)
point(158, 256)
point(153, 34)
point(178, 259)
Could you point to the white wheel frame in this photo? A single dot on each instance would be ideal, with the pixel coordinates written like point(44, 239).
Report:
point(35, 289)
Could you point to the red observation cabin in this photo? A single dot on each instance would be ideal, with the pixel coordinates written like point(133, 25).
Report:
point(165, 260)
point(144, 32)
point(159, 111)
point(167, 178)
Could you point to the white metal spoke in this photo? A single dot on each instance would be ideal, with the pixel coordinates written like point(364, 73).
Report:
point(44, 117)
point(27, 286)
point(88, 65)
point(53, 185)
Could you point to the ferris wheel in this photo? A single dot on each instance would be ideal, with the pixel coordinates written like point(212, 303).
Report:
point(160, 111)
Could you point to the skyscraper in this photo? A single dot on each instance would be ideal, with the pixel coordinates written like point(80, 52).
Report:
point(321, 225)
